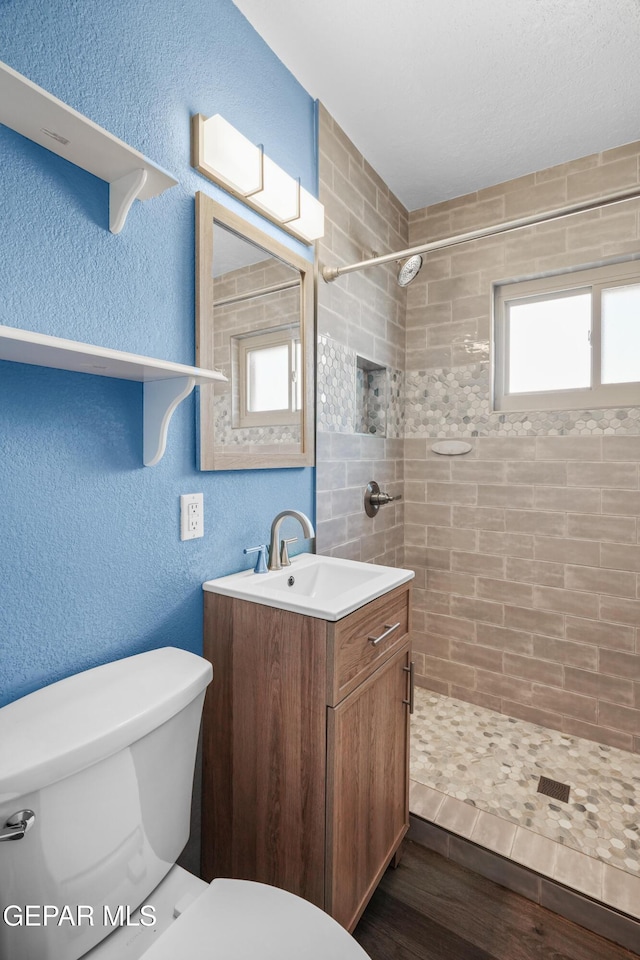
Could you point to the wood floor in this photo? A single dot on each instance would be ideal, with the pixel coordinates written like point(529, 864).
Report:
point(430, 908)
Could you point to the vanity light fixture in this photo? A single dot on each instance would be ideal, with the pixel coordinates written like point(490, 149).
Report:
point(222, 154)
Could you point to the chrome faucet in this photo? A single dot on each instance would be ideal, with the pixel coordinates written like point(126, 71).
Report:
point(278, 560)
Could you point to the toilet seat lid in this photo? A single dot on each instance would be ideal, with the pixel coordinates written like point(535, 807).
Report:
point(243, 920)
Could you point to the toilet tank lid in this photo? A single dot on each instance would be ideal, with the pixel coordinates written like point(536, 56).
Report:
point(60, 729)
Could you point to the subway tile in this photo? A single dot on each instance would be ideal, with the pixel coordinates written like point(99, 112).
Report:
point(453, 538)
point(539, 472)
point(437, 602)
point(454, 493)
point(620, 611)
point(496, 868)
point(437, 559)
point(621, 448)
point(609, 474)
point(502, 495)
point(473, 609)
point(616, 636)
point(438, 515)
point(533, 851)
point(590, 684)
point(494, 833)
point(523, 711)
point(564, 550)
point(602, 179)
point(589, 914)
point(505, 591)
point(482, 518)
point(566, 601)
point(507, 448)
point(534, 621)
point(535, 522)
point(535, 571)
point(619, 664)
point(590, 527)
point(506, 544)
point(434, 646)
point(478, 471)
point(568, 448)
point(579, 872)
point(457, 816)
point(477, 563)
point(502, 638)
point(620, 557)
point(475, 655)
point(427, 470)
point(449, 582)
point(453, 288)
point(625, 502)
point(568, 652)
point(415, 491)
point(424, 801)
point(452, 627)
point(567, 498)
point(621, 890)
point(617, 583)
point(537, 198)
point(529, 668)
point(500, 685)
point(450, 672)
point(618, 717)
point(562, 701)
point(597, 732)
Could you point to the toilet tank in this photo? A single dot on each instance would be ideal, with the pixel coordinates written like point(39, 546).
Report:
point(105, 760)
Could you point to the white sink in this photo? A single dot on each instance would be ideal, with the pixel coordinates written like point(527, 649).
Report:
point(324, 587)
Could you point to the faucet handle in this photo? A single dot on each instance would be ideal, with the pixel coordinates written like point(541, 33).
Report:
point(284, 553)
point(261, 562)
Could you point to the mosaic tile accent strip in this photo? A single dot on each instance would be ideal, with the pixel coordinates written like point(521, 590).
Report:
point(228, 434)
point(454, 402)
point(341, 385)
point(494, 762)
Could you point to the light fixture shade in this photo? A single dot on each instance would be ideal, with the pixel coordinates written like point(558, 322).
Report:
point(310, 224)
point(236, 161)
point(279, 194)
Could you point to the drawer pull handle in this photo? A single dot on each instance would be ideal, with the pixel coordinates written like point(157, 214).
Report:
point(388, 630)
point(412, 688)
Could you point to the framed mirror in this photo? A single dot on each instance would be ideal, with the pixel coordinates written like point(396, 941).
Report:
point(254, 323)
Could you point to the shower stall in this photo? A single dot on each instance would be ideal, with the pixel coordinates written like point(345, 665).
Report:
point(526, 607)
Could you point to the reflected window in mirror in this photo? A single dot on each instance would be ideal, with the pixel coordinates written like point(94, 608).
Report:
point(254, 320)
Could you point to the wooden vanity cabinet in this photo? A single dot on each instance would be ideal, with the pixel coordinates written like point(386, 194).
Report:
point(306, 748)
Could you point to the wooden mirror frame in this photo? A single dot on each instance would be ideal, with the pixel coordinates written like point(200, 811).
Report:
point(248, 456)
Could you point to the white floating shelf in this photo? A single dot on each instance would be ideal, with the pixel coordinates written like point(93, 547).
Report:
point(165, 384)
point(43, 118)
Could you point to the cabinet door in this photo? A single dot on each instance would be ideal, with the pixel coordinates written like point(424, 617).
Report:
point(368, 786)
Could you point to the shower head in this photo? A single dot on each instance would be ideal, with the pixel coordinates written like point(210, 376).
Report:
point(409, 270)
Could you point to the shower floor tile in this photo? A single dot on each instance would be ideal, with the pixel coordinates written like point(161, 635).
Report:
point(494, 763)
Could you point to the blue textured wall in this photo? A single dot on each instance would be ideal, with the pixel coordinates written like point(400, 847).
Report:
point(91, 564)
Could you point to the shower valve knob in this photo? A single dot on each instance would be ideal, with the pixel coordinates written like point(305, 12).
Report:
point(374, 498)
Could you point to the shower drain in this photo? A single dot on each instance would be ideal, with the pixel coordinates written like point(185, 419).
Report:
point(553, 788)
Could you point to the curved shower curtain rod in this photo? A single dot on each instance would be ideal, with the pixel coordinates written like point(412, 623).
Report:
point(332, 273)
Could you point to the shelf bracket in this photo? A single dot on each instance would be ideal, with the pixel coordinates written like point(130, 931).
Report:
point(160, 399)
point(122, 193)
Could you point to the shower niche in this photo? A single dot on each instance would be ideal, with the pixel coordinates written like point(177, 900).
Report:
point(372, 386)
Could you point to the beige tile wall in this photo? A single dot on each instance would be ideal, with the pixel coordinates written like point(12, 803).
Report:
point(364, 314)
point(527, 550)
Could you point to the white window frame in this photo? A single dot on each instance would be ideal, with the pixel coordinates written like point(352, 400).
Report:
point(599, 394)
point(268, 418)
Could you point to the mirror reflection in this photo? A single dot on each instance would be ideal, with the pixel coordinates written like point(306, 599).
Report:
point(253, 308)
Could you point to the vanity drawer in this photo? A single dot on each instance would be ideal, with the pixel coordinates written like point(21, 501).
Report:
point(352, 654)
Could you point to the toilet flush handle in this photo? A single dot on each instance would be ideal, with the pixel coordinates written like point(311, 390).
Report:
point(17, 825)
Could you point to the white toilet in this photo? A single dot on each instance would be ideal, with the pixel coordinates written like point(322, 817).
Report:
point(96, 776)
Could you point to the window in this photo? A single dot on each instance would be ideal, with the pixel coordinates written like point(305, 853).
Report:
point(270, 381)
point(569, 342)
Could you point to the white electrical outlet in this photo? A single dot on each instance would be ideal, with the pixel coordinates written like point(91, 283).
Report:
point(191, 516)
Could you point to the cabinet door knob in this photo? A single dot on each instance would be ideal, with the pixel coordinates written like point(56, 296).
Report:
point(388, 629)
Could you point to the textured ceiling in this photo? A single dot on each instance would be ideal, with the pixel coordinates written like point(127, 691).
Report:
point(444, 97)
